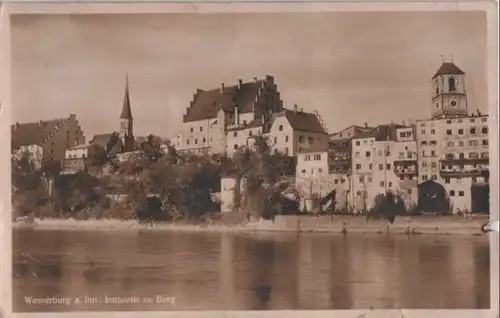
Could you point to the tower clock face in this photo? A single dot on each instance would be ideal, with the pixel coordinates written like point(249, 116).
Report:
point(454, 103)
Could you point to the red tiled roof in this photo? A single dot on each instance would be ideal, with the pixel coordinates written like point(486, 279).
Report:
point(33, 133)
point(206, 104)
point(448, 68)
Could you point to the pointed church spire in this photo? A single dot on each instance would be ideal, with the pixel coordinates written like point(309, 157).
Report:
point(126, 111)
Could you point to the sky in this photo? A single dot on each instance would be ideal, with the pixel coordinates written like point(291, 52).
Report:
point(353, 67)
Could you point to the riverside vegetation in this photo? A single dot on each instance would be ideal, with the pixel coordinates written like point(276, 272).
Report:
point(154, 186)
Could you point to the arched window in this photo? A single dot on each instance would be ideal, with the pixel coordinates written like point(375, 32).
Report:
point(452, 84)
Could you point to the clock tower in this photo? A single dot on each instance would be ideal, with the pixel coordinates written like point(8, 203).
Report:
point(449, 97)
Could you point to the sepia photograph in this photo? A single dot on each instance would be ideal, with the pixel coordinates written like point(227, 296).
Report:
point(251, 161)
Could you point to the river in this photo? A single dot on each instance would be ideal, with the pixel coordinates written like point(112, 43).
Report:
point(168, 270)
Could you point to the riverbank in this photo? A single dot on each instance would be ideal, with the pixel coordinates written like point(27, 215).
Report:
point(450, 225)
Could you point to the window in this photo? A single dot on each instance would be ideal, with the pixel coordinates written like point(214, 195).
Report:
point(192, 129)
point(460, 143)
point(474, 179)
point(380, 167)
point(452, 193)
point(448, 121)
point(201, 128)
point(473, 131)
point(433, 164)
point(401, 155)
point(472, 142)
point(473, 155)
point(361, 178)
point(235, 134)
point(280, 128)
point(235, 147)
point(187, 141)
point(434, 177)
point(484, 130)
point(370, 166)
point(460, 193)
point(447, 180)
point(450, 144)
point(460, 131)
point(342, 181)
point(368, 154)
point(409, 191)
point(424, 164)
point(424, 177)
point(448, 132)
point(472, 120)
point(423, 143)
point(336, 181)
point(308, 157)
point(320, 170)
point(451, 84)
point(204, 140)
point(301, 139)
point(484, 155)
point(485, 142)
point(317, 157)
point(484, 119)
point(286, 138)
point(369, 179)
point(461, 155)
point(311, 140)
point(356, 154)
point(275, 140)
point(358, 143)
point(381, 183)
point(433, 132)
point(422, 131)
point(304, 171)
point(196, 141)
point(358, 166)
point(401, 178)
point(433, 153)
point(250, 133)
point(390, 184)
point(433, 143)
point(244, 122)
point(388, 166)
point(286, 151)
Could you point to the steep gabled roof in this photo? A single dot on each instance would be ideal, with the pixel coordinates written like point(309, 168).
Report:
point(448, 68)
point(356, 131)
point(206, 104)
point(33, 133)
point(126, 110)
point(103, 140)
point(302, 121)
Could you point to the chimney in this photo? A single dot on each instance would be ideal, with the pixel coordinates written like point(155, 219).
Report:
point(255, 79)
point(222, 88)
point(295, 107)
point(478, 113)
point(236, 115)
point(366, 125)
point(240, 82)
point(41, 123)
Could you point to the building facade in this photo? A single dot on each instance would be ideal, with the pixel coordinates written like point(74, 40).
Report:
point(384, 159)
point(453, 145)
point(81, 157)
point(52, 136)
point(33, 152)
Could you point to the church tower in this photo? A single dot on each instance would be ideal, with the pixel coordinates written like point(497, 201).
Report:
point(449, 97)
point(127, 122)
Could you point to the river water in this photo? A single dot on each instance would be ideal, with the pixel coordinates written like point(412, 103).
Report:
point(166, 270)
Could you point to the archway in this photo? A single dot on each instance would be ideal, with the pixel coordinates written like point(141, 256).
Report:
point(432, 198)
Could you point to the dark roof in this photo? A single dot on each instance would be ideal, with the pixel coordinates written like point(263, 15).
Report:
point(207, 104)
point(126, 111)
point(103, 140)
point(356, 130)
point(381, 133)
point(302, 121)
point(448, 68)
point(33, 133)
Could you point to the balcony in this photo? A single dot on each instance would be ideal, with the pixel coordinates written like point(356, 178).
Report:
point(405, 168)
point(464, 172)
point(464, 161)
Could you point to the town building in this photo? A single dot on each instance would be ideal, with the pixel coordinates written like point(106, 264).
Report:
point(47, 141)
point(453, 147)
point(318, 173)
point(211, 112)
point(34, 154)
point(384, 159)
point(81, 157)
point(288, 132)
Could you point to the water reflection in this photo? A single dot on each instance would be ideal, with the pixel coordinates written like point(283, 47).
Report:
point(249, 271)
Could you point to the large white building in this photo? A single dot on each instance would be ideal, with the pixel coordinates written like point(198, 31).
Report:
point(384, 159)
point(229, 118)
point(453, 148)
